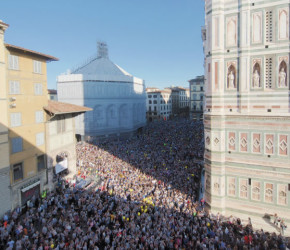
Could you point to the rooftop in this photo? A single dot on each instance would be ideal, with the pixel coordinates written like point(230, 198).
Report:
point(57, 108)
point(30, 52)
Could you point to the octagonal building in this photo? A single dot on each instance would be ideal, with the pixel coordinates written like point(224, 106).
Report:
point(117, 98)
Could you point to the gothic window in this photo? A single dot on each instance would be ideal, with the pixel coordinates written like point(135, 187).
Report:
point(257, 25)
point(269, 77)
point(269, 192)
point(231, 32)
point(244, 188)
point(232, 186)
point(256, 190)
point(283, 24)
point(282, 194)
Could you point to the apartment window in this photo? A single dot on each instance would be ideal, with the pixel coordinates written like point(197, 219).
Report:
point(40, 163)
point(150, 102)
point(201, 88)
point(154, 102)
point(269, 26)
point(13, 62)
point(39, 139)
point(194, 107)
point(37, 88)
point(269, 192)
point(36, 66)
point(256, 190)
point(149, 96)
point(155, 96)
point(155, 109)
point(16, 145)
point(201, 97)
point(60, 124)
point(15, 119)
point(38, 116)
point(244, 188)
point(149, 109)
point(17, 172)
point(14, 87)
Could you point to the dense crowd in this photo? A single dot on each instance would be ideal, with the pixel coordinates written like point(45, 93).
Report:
point(149, 198)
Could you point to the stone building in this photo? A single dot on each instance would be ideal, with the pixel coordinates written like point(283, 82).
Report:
point(60, 138)
point(247, 113)
point(159, 104)
point(5, 191)
point(196, 106)
point(117, 98)
point(180, 100)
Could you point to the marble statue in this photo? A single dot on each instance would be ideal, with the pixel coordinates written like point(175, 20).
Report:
point(256, 79)
point(282, 78)
point(231, 79)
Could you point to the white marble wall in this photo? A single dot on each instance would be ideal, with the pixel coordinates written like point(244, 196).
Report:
point(118, 107)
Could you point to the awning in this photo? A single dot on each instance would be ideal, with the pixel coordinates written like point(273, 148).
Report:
point(30, 186)
point(59, 167)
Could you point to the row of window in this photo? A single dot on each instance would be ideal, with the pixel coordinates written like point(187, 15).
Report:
point(14, 88)
point(18, 168)
point(162, 102)
point(16, 118)
point(194, 88)
point(13, 63)
point(195, 97)
point(17, 142)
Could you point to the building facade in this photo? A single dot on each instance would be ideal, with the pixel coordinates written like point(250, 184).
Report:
point(60, 138)
point(180, 100)
point(159, 104)
point(26, 84)
point(4, 144)
point(117, 98)
point(52, 94)
point(247, 113)
point(196, 106)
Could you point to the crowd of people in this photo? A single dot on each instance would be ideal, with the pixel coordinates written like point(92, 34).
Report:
point(148, 198)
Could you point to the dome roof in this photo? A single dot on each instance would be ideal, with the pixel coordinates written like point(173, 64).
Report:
point(103, 68)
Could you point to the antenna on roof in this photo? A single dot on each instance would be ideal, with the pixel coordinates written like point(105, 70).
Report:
point(102, 50)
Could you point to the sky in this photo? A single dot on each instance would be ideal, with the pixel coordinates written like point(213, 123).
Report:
point(156, 40)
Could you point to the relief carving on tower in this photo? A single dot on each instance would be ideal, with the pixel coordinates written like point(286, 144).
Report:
point(256, 143)
point(269, 144)
point(283, 145)
point(216, 141)
point(283, 70)
point(207, 140)
point(283, 24)
point(232, 141)
point(216, 185)
point(243, 142)
point(257, 27)
point(231, 75)
point(231, 38)
point(256, 73)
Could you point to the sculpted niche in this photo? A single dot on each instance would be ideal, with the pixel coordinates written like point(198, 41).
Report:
point(283, 75)
point(256, 80)
point(231, 77)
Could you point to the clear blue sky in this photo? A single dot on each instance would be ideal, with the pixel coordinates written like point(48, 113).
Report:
point(156, 40)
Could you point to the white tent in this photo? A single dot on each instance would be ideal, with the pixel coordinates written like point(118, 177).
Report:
point(62, 165)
